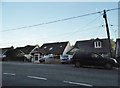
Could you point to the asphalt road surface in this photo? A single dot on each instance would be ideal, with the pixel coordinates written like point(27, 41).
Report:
point(32, 74)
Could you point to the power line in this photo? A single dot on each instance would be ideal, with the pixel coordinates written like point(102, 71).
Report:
point(112, 9)
point(50, 22)
point(80, 29)
point(55, 21)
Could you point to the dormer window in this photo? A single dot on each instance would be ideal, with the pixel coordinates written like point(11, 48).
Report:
point(97, 44)
point(61, 46)
point(51, 48)
point(45, 47)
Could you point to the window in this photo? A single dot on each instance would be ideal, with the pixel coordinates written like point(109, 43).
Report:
point(45, 47)
point(61, 46)
point(97, 44)
point(51, 48)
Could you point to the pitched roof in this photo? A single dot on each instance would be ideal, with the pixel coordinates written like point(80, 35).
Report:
point(53, 48)
point(26, 50)
point(3, 50)
point(88, 45)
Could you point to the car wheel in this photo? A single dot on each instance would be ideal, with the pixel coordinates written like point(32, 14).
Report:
point(40, 61)
point(63, 62)
point(77, 64)
point(108, 66)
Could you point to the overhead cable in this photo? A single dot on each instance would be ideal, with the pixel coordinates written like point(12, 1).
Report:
point(55, 21)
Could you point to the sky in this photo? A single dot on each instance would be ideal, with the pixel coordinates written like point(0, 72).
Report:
point(20, 14)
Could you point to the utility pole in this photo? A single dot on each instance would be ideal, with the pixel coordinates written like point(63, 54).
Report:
point(108, 33)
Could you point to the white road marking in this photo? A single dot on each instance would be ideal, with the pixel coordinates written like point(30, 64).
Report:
point(9, 74)
point(34, 77)
point(76, 83)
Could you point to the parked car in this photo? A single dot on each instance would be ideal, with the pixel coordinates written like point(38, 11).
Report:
point(65, 59)
point(46, 58)
point(86, 59)
point(42, 59)
point(2, 57)
point(28, 58)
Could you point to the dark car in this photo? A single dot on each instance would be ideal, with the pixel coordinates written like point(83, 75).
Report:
point(87, 59)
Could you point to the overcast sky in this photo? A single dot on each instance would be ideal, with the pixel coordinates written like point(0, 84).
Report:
point(20, 14)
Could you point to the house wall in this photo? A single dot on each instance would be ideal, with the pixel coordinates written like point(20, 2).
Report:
point(117, 50)
point(68, 47)
point(36, 58)
point(104, 50)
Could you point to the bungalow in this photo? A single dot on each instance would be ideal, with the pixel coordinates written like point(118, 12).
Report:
point(97, 45)
point(55, 49)
point(27, 51)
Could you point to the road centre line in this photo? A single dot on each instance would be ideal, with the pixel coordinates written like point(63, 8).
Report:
point(76, 83)
point(34, 77)
point(9, 74)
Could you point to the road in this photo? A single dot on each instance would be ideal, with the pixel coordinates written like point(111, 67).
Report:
point(32, 74)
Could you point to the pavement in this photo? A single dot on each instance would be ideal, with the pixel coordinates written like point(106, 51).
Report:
point(34, 74)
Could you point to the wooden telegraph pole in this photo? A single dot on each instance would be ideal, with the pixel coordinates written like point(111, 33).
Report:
point(108, 33)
